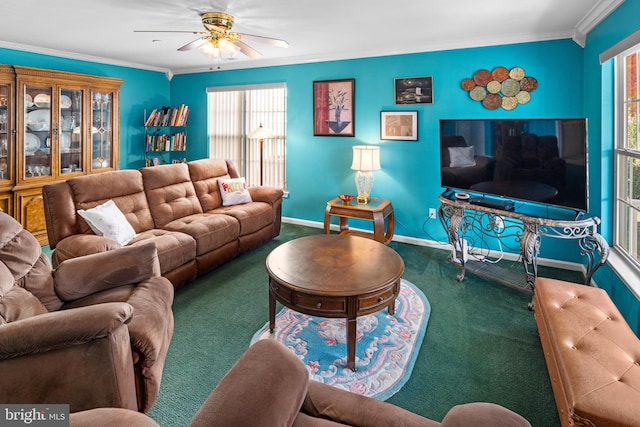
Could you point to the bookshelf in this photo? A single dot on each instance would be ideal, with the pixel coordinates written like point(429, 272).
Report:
point(165, 133)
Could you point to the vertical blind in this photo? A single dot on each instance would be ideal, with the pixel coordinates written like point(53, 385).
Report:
point(236, 111)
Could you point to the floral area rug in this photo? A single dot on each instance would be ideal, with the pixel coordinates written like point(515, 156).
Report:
point(386, 346)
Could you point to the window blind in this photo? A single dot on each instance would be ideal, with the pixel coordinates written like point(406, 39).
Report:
point(233, 114)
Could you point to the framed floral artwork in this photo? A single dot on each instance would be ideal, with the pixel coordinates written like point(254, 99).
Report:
point(414, 90)
point(399, 125)
point(334, 108)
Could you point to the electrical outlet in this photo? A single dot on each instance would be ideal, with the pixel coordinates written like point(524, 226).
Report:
point(499, 223)
point(432, 213)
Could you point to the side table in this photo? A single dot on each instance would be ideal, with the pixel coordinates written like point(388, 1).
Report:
point(377, 210)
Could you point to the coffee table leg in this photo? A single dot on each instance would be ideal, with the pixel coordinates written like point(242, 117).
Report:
point(272, 310)
point(392, 307)
point(351, 344)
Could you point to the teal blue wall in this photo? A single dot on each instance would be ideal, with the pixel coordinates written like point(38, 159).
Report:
point(318, 168)
point(599, 107)
point(141, 90)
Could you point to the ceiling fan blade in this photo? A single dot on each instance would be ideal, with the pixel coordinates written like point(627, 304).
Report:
point(170, 31)
point(247, 50)
point(261, 39)
point(194, 44)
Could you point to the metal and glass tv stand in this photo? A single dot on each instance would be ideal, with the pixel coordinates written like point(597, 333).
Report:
point(461, 218)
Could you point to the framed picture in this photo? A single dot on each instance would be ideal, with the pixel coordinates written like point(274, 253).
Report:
point(334, 108)
point(399, 125)
point(414, 90)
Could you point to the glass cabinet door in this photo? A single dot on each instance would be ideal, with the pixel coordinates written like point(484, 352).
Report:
point(5, 132)
point(71, 135)
point(102, 130)
point(37, 133)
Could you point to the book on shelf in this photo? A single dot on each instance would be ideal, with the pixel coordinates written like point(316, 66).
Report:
point(168, 116)
point(164, 142)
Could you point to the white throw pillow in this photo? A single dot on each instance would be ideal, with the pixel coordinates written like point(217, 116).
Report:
point(462, 157)
point(234, 191)
point(108, 221)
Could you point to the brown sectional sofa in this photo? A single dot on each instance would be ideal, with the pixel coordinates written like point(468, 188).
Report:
point(178, 207)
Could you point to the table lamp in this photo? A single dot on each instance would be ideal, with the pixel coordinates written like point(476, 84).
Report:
point(366, 159)
point(261, 134)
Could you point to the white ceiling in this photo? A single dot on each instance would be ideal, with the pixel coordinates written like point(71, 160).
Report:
point(103, 31)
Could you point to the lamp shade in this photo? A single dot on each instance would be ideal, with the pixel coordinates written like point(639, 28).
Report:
point(260, 133)
point(366, 158)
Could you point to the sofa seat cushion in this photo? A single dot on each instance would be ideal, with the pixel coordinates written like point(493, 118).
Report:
point(174, 249)
point(209, 231)
point(251, 216)
point(78, 245)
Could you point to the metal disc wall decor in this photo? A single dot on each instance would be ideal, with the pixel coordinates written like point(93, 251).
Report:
point(500, 87)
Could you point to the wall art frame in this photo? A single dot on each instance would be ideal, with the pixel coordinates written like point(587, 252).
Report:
point(413, 90)
point(399, 125)
point(334, 108)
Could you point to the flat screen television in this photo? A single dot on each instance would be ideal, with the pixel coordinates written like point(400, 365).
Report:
point(542, 161)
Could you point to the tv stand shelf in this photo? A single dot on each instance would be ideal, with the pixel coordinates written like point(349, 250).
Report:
point(461, 218)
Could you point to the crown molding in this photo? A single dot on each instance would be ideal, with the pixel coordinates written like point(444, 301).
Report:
point(82, 57)
point(596, 15)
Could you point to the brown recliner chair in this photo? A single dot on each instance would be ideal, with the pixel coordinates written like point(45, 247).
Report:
point(92, 333)
point(270, 386)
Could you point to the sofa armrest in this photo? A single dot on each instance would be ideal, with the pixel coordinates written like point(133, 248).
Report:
point(59, 212)
point(60, 357)
point(266, 386)
point(151, 330)
point(343, 407)
point(266, 194)
point(51, 331)
point(483, 414)
point(110, 417)
point(79, 277)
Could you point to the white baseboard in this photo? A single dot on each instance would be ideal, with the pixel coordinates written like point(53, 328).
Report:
point(572, 266)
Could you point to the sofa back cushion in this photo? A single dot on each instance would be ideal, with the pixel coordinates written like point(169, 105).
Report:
point(126, 190)
point(26, 284)
point(170, 193)
point(204, 175)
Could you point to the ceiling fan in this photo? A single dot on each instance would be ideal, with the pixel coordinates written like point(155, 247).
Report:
point(218, 41)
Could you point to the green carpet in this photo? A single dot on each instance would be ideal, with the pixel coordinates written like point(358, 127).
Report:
point(481, 344)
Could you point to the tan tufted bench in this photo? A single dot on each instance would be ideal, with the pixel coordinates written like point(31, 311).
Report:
point(592, 355)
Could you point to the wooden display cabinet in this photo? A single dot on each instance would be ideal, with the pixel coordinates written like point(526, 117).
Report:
point(69, 128)
point(7, 136)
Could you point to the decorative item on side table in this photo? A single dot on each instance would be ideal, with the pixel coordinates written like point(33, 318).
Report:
point(366, 159)
point(261, 133)
point(346, 198)
point(399, 125)
point(334, 108)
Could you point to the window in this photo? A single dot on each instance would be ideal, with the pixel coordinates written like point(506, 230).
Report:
point(234, 112)
point(627, 156)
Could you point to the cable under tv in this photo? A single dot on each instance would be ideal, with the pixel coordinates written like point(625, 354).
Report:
point(505, 205)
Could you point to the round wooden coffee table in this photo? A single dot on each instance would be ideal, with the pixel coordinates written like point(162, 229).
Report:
point(334, 276)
